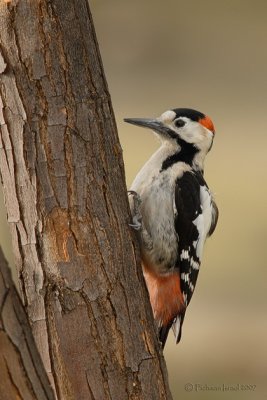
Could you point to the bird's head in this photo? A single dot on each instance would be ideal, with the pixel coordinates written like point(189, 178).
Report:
point(182, 126)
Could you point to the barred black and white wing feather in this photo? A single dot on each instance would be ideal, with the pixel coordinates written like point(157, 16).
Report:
point(195, 218)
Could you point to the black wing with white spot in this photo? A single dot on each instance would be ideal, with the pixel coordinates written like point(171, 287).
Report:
point(190, 220)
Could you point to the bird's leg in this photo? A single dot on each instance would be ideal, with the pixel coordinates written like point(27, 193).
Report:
point(137, 220)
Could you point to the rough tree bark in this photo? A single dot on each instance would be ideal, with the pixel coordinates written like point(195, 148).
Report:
point(22, 375)
point(64, 187)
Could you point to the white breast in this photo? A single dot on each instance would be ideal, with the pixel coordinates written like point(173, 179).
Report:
point(156, 190)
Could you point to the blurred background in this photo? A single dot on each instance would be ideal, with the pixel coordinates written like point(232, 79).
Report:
point(211, 56)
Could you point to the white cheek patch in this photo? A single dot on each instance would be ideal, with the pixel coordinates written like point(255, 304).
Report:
point(167, 117)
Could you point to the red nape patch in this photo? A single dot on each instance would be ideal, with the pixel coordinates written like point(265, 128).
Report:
point(165, 296)
point(207, 122)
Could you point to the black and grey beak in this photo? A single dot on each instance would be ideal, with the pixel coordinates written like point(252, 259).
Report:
point(153, 124)
point(145, 122)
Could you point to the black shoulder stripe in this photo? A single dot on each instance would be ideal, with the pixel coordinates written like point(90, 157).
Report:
point(187, 199)
point(198, 175)
point(185, 154)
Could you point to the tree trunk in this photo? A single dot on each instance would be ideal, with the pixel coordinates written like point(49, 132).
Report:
point(22, 375)
point(65, 193)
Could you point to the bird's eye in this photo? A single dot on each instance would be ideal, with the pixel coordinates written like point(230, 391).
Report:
point(179, 123)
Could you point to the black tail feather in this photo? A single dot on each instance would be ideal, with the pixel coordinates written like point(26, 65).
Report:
point(163, 333)
point(179, 335)
point(176, 324)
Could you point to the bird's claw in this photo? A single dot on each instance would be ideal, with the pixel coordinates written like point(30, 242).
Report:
point(137, 217)
point(136, 197)
point(136, 224)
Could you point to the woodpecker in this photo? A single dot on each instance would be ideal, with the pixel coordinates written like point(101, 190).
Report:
point(173, 212)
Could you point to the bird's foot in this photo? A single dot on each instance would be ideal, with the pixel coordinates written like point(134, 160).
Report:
point(137, 217)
